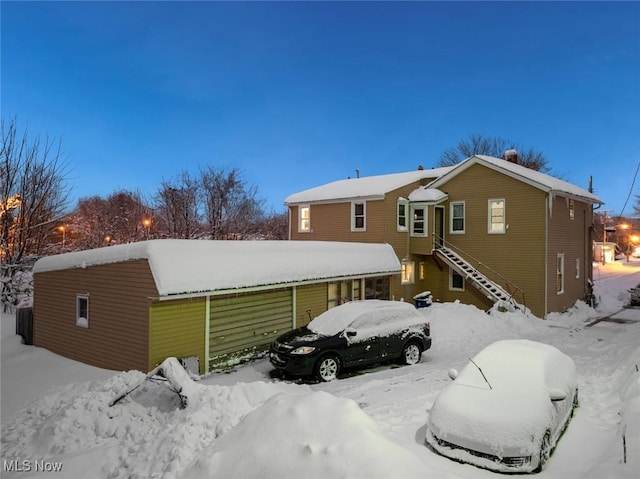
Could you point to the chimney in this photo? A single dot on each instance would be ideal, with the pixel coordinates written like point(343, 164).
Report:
point(511, 156)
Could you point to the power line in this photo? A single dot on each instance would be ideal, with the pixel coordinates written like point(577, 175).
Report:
point(630, 190)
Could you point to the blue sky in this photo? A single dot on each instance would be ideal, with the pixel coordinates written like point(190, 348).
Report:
point(298, 94)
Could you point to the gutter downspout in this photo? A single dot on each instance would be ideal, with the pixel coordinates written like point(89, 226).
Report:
point(207, 329)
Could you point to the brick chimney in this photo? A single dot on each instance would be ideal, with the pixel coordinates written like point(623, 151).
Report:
point(511, 156)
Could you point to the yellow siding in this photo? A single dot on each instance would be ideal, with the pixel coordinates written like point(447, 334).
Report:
point(561, 227)
point(519, 253)
point(312, 298)
point(247, 321)
point(177, 328)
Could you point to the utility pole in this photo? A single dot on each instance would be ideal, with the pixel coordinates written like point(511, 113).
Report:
point(604, 235)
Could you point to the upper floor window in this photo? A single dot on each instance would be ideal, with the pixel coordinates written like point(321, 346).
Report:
point(82, 310)
point(403, 205)
point(358, 216)
point(304, 219)
point(457, 217)
point(496, 216)
point(419, 221)
point(572, 209)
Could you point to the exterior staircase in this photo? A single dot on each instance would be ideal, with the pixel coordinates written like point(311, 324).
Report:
point(491, 289)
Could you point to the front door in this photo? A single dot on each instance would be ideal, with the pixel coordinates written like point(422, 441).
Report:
point(438, 227)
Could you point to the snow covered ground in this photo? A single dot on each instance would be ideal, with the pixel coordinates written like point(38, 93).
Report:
point(247, 423)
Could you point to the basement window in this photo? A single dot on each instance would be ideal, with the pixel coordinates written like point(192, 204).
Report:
point(456, 280)
point(82, 310)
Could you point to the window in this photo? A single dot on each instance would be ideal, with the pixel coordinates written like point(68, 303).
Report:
point(577, 268)
point(408, 272)
point(402, 215)
point(457, 217)
point(418, 221)
point(376, 288)
point(421, 270)
point(358, 217)
point(456, 280)
point(572, 209)
point(82, 310)
point(560, 274)
point(496, 216)
point(304, 219)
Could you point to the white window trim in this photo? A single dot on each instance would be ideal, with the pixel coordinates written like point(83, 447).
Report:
point(82, 322)
point(577, 268)
point(300, 218)
point(405, 203)
point(353, 216)
point(504, 216)
point(560, 273)
point(411, 279)
point(572, 209)
point(451, 288)
point(425, 219)
point(464, 219)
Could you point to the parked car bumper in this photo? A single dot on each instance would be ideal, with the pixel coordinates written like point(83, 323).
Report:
point(293, 365)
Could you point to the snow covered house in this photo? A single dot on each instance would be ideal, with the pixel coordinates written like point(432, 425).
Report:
point(130, 306)
point(484, 231)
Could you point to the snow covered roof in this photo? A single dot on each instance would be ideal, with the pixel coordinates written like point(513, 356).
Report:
point(367, 187)
point(534, 178)
point(432, 195)
point(191, 267)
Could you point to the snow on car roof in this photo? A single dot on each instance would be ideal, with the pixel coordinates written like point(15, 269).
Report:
point(377, 313)
point(363, 187)
point(200, 266)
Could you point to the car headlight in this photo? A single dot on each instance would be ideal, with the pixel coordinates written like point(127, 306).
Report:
point(303, 350)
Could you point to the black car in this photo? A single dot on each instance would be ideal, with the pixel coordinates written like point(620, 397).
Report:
point(353, 334)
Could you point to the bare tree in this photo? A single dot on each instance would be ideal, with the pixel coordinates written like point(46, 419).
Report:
point(33, 197)
point(231, 206)
point(122, 217)
point(492, 146)
point(176, 207)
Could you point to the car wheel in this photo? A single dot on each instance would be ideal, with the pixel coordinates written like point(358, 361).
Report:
point(576, 403)
point(411, 353)
point(327, 368)
point(545, 450)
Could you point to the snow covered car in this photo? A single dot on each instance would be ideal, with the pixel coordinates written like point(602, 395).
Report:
point(507, 408)
point(353, 334)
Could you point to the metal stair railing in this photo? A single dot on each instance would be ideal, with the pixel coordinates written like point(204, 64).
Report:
point(491, 288)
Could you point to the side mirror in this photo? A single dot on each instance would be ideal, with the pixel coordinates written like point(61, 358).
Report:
point(557, 395)
point(350, 332)
point(453, 373)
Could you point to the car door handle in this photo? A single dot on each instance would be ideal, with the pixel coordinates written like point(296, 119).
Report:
point(367, 348)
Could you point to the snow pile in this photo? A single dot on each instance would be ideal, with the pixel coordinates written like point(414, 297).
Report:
point(314, 435)
point(146, 434)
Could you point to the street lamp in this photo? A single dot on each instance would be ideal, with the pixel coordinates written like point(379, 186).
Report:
point(64, 230)
point(147, 224)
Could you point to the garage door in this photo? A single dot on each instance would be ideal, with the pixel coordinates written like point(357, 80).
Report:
point(239, 322)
